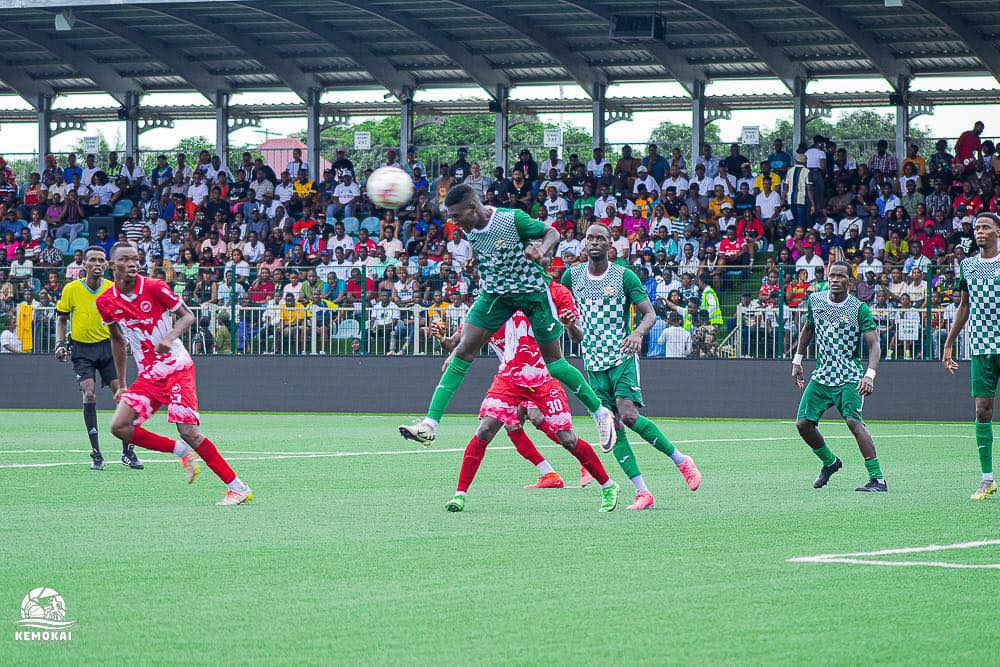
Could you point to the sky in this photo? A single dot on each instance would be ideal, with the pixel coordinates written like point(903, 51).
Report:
point(947, 121)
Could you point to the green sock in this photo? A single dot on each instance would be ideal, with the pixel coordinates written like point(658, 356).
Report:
point(452, 379)
point(573, 380)
point(825, 455)
point(649, 432)
point(874, 468)
point(625, 456)
point(984, 441)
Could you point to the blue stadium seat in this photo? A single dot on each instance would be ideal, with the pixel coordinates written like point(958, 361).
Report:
point(351, 225)
point(36, 286)
point(78, 244)
point(86, 228)
point(348, 329)
point(123, 208)
point(62, 245)
point(372, 225)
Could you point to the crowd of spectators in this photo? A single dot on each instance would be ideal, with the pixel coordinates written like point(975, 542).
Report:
point(278, 236)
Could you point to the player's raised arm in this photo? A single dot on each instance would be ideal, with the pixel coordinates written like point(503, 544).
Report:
point(529, 229)
point(961, 317)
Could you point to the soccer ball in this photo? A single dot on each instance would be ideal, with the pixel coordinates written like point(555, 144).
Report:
point(390, 187)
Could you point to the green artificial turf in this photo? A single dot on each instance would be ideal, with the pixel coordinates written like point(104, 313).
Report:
point(353, 560)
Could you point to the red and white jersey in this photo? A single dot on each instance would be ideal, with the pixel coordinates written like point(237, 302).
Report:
point(145, 320)
point(521, 361)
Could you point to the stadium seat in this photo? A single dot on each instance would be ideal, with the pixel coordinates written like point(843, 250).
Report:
point(62, 245)
point(94, 223)
point(86, 229)
point(351, 225)
point(123, 208)
point(371, 225)
point(78, 244)
point(36, 286)
point(348, 329)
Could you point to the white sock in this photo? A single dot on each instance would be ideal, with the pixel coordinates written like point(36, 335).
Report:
point(460, 493)
point(677, 457)
point(544, 467)
point(431, 422)
point(601, 413)
point(639, 483)
point(987, 477)
point(181, 448)
point(238, 485)
point(608, 483)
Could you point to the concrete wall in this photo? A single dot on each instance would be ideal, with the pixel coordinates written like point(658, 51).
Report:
point(673, 388)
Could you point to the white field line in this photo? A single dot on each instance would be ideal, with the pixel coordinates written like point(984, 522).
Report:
point(386, 453)
point(855, 558)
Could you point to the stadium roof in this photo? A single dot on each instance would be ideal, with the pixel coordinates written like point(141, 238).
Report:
point(219, 46)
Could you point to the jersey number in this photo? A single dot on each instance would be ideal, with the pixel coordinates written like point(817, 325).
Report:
point(555, 405)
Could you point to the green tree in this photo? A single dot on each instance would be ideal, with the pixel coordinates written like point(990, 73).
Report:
point(668, 135)
point(858, 132)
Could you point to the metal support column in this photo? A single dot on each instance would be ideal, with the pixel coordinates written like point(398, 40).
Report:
point(697, 121)
point(799, 119)
point(902, 117)
point(405, 123)
point(313, 131)
point(599, 108)
point(222, 126)
point(132, 125)
point(500, 129)
point(44, 130)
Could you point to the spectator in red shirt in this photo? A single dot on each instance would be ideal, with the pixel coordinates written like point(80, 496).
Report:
point(364, 241)
point(969, 199)
point(968, 148)
point(354, 286)
point(931, 243)
point(301, 227)
point(263, 287)
point(733, 249)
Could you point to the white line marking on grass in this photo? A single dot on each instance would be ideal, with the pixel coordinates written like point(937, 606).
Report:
point(853, 558)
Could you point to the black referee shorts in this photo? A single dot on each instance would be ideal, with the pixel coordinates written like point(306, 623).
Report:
point(92, 358)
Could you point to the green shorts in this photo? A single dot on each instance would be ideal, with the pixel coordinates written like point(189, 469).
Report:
point(491, 311)
point(985, 373)
point(818, 398)
point(621, 381)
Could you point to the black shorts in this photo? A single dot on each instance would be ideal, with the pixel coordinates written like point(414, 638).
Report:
point(92, 358)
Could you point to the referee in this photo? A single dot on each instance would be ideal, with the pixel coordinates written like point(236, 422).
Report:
point(91, 347)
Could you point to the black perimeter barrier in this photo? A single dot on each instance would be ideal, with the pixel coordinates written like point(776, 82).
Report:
point(905, 390)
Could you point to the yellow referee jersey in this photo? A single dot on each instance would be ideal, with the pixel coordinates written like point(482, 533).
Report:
point(79, 301)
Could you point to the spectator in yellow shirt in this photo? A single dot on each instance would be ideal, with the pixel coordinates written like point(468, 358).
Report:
point(303, 194)
point(292, 319)
point(912, 157)
point(716, 202)
point(765, 172)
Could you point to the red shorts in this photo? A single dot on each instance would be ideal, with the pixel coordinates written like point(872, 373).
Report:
point(504, 398)
point(177, 391)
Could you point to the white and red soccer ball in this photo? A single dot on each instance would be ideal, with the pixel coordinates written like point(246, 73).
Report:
point(389, 187)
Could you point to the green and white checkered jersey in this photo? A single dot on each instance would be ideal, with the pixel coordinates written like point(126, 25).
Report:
point(981, 279)
point(604, 308)
point(499, 248)
point(838, 328)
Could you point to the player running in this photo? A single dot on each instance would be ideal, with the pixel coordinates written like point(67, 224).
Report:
point(604, 291)
point(140, 310)
point(980, 286)
point(523, 386)
point(512, 279)
point(90, 350)
point(838, 319)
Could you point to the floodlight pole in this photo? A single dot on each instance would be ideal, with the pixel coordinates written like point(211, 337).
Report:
point(697, 121)
point(222, 126)
point(599, 107)
point(500, 128)
point(313, 130)
point(405, 122)
point(44, 130)
point(799, 119)
point(132, 125)
point(902, 117)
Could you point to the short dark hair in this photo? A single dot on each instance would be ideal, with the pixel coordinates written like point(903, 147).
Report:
point(119, 246)
point(459, 194)
point(845, 265)
point(94, 248)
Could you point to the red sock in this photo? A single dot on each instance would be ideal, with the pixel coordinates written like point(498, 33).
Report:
point(587, 457)
point(525, 447)
point(473, 456)
point(149, 440)
point(213, 459)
